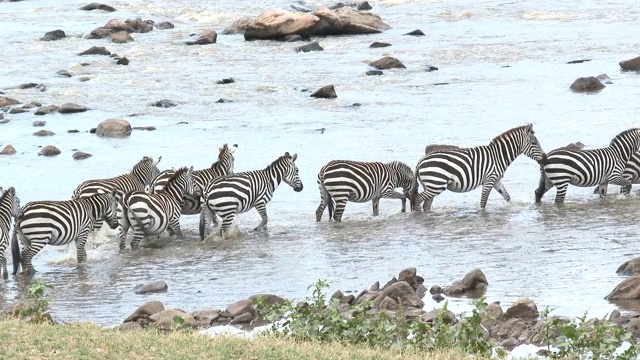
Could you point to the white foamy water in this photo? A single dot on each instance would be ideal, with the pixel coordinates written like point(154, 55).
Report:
point(561, 257)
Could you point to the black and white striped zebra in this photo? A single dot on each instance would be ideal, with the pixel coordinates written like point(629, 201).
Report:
point(223, 166)
point(9, 207)
point(585, 168)
point(465, 169)
point(631, 172)
point(231, 195)
point(138, 178)
point(152, 214)
point(41, 223)
point(359, 181)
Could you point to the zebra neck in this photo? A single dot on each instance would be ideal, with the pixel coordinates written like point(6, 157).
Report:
point(275, 175)
point(505, 153)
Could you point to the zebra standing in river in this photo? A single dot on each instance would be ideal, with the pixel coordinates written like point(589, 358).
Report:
point(137, 179)
point(358, 181)
point(9, 207)
point(631, 172)
point(465, 169)
point(152, 214)
point(41, 223)
point(192, 204)
point(234, 194)
point(587, 168)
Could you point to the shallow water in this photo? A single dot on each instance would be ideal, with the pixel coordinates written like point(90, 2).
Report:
point(561, 257)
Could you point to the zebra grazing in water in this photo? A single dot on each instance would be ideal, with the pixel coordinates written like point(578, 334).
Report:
point(152, 214)
point(357, 181)
point(192, 205)
point(9, 207)
point(465, 169)
point(41, 223)
point(589, 167)
point(234, 194)
point(137, 179)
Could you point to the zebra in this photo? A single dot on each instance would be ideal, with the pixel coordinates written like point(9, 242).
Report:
point(358, 181)
point(465, 169)
point(223, 166)
point(234, 194)
point(41, 223)
point(9, 208)
point(152, 214)
point(137, 179)
point(631, 172)
point(589, 167)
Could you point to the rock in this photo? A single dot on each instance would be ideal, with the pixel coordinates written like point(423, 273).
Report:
point(84, 78)
point(431, 316)
point(116, 25)
point(113, 128)
point(604, 79)
point(130, 326)
point(578, 61)
point(587, 84)
point(388, 304)
point(44, 133)
point(388, 62)
point(631, 64)
point(164, 319)
point(421, 290)
point(278, 23)
point(8, 150)
point(347, 21)
point(436, 289)
point(291, 38)
point(630, 267)
point(325, 92)
point(152, 287)
point(5, 121)
point(374, 72)
point(63, 73)
point(223, 101)
point(473, 278)
point(100, 33)
point(49, 150)
point(364, 6)
point(455, 289)
point(145, 310)
point(416, 32)
point(522, 308)
point(165, 25)
point(628, 289)
point(437, 298)
point(375, 286)
point(439, 147)
point(390, 282)
point(509, 344)
point(95, 50)
point(46, 110)
point(431, 68)
point(402, 293)
point(300, 6)
point(76, 131)
point(314, 46)
point(407, 274)
point(337, 295)
point(494, 311)
point(206, 37)
point(163, 104)
point(368, 296)
point(225, 81)
point(379, 45)
point(122, 61)
point(79, 155)
point(71, 108)
point(240, 307)
point(242, 318)
point(53, 35)
point(615, 314)
point(139, 25)
point(98, 6)
point(17, 111)
point(238, 26)
point(39, 123)
point(206, 317)
point(121, 37)
point(7, 101)
point(145, 128)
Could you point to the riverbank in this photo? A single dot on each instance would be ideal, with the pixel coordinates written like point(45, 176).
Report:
point(22, 340)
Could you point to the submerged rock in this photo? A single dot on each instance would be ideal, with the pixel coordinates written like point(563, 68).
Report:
point(416, 32)
point(79, 155)
point(8, 150)
point(71, 108)
point(628, 289)
point(631, 64)
point(113, 128)
point(373, 72)
point(587, 84)
point(95, 50)
point(165, 25)
point(152, 287)
point(325, 92)
point(54, 35)
point(121, 37)
point(98, 6)
point(314, 46)
point(163, 103)
point(388, 62)
point(379, 44)
point(630, 267)
point(44, 133)
point(49, 150)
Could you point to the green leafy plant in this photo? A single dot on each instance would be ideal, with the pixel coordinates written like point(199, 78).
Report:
point(36, 304)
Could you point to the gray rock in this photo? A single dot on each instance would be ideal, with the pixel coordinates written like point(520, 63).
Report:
point(39, 123)
point(100, 33)
point(147, 309)
point(402, 292)
point(379, 45)
point(152, 287)
point(165, 25)
point(225, 81)
point(631, 64)
point(522, 308)
point(165, 319)
point(364, 6)
point(267, 299)
point(206, 37)
point(242, 318)
point(206, 317)
point(98, 6)
point(121, 37)
point(416, 32)
point(71, 108)
point(587, 84)
point(95, 50)
point(79, 155)
point(240, 307)
point(388, 62)
point(375, 286)
point(325, 92)
point(314, 46)
point(113, 128)
point(43, 110)
point(44, 133)
point(122, 61)
point(630, 267)
point(436, 289)
point(374, 72)
point(63, 73)
point(163, 104)
point(53, 35)
point(49, 150)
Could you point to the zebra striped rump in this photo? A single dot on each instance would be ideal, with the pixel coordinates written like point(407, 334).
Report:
point(9, 208)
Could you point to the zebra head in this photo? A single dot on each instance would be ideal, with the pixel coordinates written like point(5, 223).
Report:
point(146, 170)
point(9, 195)
point(291, 177)
point(182, 183)
point(529, 143)
point(402, 176)
point(110, 213)
point(226, 160)
point(626, 143)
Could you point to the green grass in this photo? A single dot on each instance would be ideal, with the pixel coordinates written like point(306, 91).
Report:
point(21, 340)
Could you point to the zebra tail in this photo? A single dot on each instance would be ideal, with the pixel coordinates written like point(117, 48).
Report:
point(15, 250)
point(331, 207)
point(544, 161)
point(201, 228)
point(413, 193)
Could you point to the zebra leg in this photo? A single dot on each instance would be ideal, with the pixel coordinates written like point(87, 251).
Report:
point(391, 194)
point(602, 190)
point(138, 234)
point(543, 186)
point(341, 203)
point(562, 192)
point(501, 190)
point(226, 224)
point(320, 210)
point(426, 205)
point(625, 190)
point(174, 226)
point(262, 210)
point(486, 190)
point(97, 225)
point(81, 241)
point(28, 252)
point(376, 206)
point(122, 234)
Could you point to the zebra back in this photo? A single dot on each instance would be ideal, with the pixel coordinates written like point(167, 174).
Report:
point(138, 178)
point(516, 141)
point(402, 175)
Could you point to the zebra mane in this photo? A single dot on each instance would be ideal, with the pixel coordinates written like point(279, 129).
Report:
point(515, 130)
point(623, 134)
point(3, 194)
point(176, 175)
point(400, 166)
point(276, 161)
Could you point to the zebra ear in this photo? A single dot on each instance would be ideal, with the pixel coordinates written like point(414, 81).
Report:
point(190, 170)
point(294, 157)
point(159, 158)
point(233, 148)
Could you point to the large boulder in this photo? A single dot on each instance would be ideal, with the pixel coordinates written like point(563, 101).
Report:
point(54, 35)
point(631, 64)
point(166, 319)
point(631, 267)
point(402, 293)
point(145, 310)
point(388, 62)
point(473, 284)
point(587, 84)
point(278, 23)
point(522, 308)
point(239, 26)
point(7, 101)
point(347, 21)
point(113, 128)
point(49, 150)
point(98, 6)
point(206, 37)
point(152, 287)
point(116, 25)
point(628, 289)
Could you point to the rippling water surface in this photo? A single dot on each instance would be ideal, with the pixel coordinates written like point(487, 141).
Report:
point(505, 63)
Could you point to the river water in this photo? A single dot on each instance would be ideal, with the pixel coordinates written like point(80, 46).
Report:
point(505, 63)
